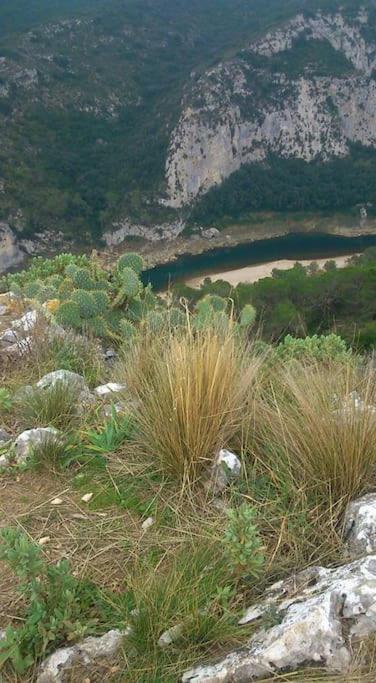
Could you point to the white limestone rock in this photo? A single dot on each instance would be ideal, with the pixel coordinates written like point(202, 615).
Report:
point(54, 668)
point(360, 526)
point(226, 122)
point(170, 636)
point(226, 468)
point(30, 439)
point(109, 388)
point(320, 611)
point(70, 378)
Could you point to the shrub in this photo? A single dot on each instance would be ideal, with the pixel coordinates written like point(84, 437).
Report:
point(316, 348)
point(58, 606)
point(242, 542)
point(86, 303)
point(68, 315)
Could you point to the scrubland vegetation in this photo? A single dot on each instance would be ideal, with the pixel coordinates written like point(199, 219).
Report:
point(116, 521)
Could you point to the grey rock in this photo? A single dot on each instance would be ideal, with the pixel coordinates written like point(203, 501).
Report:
point(27, 322)
point(22, 347)
point(30, 439)
point(3, 309)
point(9, 336)
point(320, 612)
point(170, 636)
point(360, 526)
point(71, 378)
point(226, 468)
point(109, 388)
point(10, 253)
point(53, 669)
point(4, 436)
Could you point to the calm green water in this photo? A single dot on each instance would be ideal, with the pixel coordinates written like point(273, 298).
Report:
point(294, 246)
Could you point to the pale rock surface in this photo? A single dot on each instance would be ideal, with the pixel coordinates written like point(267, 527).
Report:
point(170, 636)
point(226, 468)
point(70, 378)
point(360, 526)
point(30, 439)
point(109, 388)
point(320, 612)
point(53, 669)
point(11, 254)
point(237, 113)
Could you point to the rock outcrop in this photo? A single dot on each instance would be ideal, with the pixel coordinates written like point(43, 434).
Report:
point(11, 254)
point(249, 107)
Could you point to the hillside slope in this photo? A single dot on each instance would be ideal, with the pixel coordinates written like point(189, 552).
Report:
point(117, 110)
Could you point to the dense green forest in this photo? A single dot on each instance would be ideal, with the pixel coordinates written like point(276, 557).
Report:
point(292, 185)
point(88, 103)
point(303, 301)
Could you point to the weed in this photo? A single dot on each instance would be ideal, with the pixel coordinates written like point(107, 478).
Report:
point(54, 406)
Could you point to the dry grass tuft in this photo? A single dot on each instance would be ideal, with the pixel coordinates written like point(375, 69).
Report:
point(315, 436)
point(192, 390)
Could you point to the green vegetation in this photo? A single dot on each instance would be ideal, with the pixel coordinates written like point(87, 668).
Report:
point(86, 140)
point(306, 301)
point(285, 185)
point(116, 522)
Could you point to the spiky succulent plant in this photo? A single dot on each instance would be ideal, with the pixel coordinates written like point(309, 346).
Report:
point(127, 330)
point(68, 315)
point(102, 300)
point(83, 280)
point(66, 288)
point(97, 326)
point(131, 260)
point(86, 303)
point(32, 289)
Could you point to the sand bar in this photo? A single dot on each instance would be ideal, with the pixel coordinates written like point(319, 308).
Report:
point(256, 272)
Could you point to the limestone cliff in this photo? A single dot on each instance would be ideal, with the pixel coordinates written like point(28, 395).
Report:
point(259, 103)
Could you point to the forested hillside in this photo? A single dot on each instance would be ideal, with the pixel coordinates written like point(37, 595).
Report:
point(92, 92)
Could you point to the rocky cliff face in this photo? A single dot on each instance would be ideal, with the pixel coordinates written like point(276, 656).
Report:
point(275, 97)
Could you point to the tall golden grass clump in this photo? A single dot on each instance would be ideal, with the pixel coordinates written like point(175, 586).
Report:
point(192, 388)
point(319, 429)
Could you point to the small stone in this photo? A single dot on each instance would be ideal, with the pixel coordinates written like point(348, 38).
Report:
point(226, 468)
point(30, 439)
point(57, 501)
point(44, 540)
point(147, 523)
point(87, 497)
point(3, 309)
point(170, 636)
point(109, 388)
point(360, 526)
point(4, 436)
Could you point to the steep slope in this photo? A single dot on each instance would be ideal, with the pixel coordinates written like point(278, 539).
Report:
point(305, 91)
point(133, 110)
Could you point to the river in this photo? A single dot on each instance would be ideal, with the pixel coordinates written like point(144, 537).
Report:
point(292, 247)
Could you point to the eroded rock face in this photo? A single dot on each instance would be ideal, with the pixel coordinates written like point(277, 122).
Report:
point(241, 110)
point(11, 254)
point(319, 612)
point(360, 526)
point(54, 668)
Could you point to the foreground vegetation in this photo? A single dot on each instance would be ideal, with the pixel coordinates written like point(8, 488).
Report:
point(117, 523)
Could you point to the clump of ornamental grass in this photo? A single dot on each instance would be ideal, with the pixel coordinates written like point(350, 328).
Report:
point(317, 430)
point(192, 389)
point(54, 406)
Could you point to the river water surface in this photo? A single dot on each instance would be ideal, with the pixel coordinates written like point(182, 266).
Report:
point(293, 247)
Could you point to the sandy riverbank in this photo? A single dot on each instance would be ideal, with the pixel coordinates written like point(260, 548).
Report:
point(256, 272)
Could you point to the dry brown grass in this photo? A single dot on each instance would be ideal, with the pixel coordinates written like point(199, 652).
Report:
point(310, 439)
point(192, 390)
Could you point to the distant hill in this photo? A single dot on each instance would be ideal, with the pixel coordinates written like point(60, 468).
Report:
point(157, 110)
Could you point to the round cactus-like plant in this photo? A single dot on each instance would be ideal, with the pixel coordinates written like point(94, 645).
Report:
point(135, 310)
point(46, 293)
point(54, 281)
point(83, 280)
point(247, 316)
point(101, 299)
point(97, 326)
point(155, 321)
point(131, 260)
point(216, 302)
point(66, 288)
point(131, 284)
point(127, 330)
point(86, 302)
point(32, 289)
point(68, 315)
point(71, 270)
